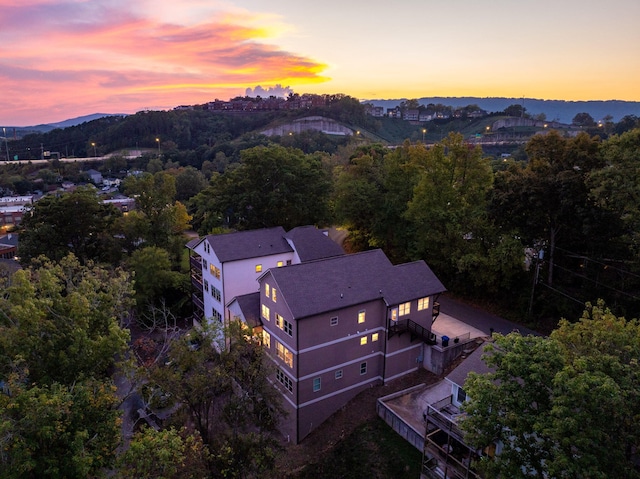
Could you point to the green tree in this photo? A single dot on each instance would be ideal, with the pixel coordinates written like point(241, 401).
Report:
point(359, 196)
point(161, 218)
point(448, 207)
point(548, 201)
point(165, 454)
point(225, 393)
point(583, 119)
point(64, 320)
point(154, 279)
point(564, 406)
point(60, 339)
point(189, 182)
point(271, 186)
point(58, 431)
point(76, 222)
point(615, 188)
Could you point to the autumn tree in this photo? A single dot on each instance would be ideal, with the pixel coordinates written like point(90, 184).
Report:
point(563, 406)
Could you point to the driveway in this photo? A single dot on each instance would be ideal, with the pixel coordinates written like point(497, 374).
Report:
point(478, 318)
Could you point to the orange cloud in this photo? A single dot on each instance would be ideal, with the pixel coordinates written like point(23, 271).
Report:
point(79, 57)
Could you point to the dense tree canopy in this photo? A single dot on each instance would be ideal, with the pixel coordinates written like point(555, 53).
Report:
point(565, 406)
point(271, 186)
point(60, 338)
point(76, 222)
point(225, 394)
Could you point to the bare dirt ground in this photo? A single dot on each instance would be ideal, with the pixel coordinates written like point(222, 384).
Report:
point(358, 411)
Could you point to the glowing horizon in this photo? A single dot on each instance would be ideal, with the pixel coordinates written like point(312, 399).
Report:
point(61, 59)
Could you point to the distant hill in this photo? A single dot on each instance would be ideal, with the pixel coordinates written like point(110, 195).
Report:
point(560, 110)
point(20, 131)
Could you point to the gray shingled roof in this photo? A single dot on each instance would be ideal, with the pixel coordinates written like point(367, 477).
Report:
point(310, 243)
point(249, 244)
point(319, 286)
point(473, 363)
point(250, 307)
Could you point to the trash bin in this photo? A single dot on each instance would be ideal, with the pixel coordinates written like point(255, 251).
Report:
point(445, 341)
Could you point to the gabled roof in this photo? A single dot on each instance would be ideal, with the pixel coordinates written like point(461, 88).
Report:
point(473, 363)
point(250, 306)
point(329, 284)
point(249, 244)
point(192, 243)
point(310, 243)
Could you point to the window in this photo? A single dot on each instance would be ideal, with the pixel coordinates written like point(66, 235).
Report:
point(266, 339)
point(333, 321)
point(338, 374)
point(462, 395)
point(216, 315)
point(206, 285)
point(423, 303)
point(288, 328)
point(361, 316)
point(363, 368)
point(266, 290)
point(266, 312)
point(317, 383)
point(207, 249)
point(374, 337)
point(274, 295)
point(258, 268)
point(285, 325)
point(284, 380)
point(284, 354)
point(288, 262)
point(280, 264)
point(394, 314)
point(405, 308)
point(214, 271)
point(204, 263)
point(215, 292)
point(363, 340)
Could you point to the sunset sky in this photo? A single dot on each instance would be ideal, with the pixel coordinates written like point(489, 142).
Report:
point(61, 59)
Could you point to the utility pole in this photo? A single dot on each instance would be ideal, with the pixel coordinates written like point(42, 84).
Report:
point(6, 141)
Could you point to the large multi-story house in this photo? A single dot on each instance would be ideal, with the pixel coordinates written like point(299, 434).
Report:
point(334, 324)
point(228, 265)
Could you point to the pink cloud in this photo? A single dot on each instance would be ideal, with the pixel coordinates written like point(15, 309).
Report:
point(59, 60)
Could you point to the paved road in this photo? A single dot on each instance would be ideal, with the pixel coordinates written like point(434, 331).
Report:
point(479, 318)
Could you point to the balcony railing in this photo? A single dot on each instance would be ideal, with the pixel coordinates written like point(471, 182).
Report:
point(198, 302)
point(443, 414)
point(196, 282)
point(416, 330)
point(196, 262)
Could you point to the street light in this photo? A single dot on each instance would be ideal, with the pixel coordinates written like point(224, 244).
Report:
point(424, 130)
point(95, 154)
point(158, 142)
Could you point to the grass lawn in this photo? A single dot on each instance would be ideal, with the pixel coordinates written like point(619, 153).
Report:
point(372, 451)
